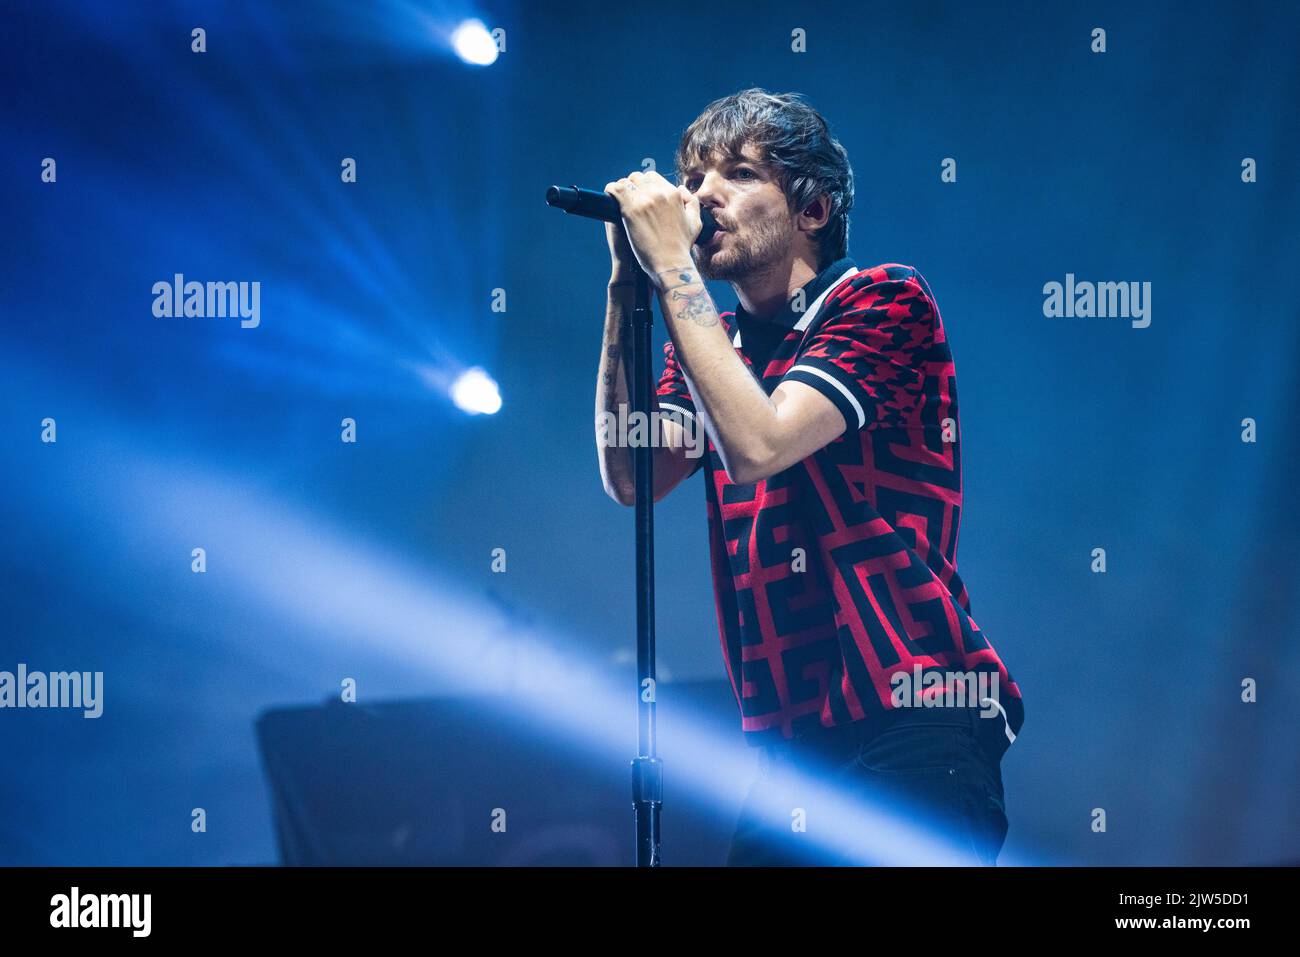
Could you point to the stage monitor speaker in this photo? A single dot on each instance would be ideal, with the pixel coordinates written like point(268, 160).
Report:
point(456, 782)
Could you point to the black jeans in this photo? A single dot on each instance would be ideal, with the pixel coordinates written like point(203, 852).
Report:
point(917, 786)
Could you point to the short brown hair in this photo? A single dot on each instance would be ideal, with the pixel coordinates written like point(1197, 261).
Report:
point(794, 139)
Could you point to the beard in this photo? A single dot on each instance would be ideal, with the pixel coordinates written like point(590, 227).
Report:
point(752, 251)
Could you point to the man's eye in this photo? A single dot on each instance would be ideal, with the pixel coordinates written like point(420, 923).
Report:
point(748, 173)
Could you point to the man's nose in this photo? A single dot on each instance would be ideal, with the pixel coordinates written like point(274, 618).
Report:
point(709, 192)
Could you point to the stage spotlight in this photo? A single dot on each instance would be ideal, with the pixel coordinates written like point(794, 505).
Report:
point(474, 44)
point(476, 392)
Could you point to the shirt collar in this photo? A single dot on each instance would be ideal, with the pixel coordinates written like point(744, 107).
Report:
point(813, 292)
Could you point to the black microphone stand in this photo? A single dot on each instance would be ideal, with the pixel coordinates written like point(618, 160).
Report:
point(647, 768)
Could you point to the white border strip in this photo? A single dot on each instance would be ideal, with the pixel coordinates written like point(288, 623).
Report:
point(857, 406)
point(808, 313)
point(678, 408)
point(802, 324)
point(1006, 725)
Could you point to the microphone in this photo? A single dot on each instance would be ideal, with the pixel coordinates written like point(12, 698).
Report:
point(596, 205)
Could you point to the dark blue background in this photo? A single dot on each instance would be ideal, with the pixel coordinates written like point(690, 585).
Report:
point(1077, 433)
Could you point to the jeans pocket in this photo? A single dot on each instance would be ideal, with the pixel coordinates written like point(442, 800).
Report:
point(909, 750)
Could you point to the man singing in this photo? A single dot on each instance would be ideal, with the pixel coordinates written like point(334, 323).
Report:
point(833, 485)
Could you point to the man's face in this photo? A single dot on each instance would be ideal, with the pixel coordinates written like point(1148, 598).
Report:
point(756, 228)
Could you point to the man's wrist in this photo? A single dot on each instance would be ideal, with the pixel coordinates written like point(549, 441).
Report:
point(669, 262)
point(671, 277)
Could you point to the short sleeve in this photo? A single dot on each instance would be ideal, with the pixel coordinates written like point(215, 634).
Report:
point(674, 396)
point(867, 351)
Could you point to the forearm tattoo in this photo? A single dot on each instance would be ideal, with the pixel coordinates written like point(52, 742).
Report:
point(686, 296)
point(694, 305)
point(618, 320)
point(614, 352)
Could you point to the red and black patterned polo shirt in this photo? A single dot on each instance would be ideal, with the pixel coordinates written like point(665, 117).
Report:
point(839, 573)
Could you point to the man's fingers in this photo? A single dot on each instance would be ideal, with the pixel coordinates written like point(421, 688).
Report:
point(651, 180)
point(691, 203)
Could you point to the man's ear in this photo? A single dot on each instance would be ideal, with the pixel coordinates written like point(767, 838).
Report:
point(815, 214)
